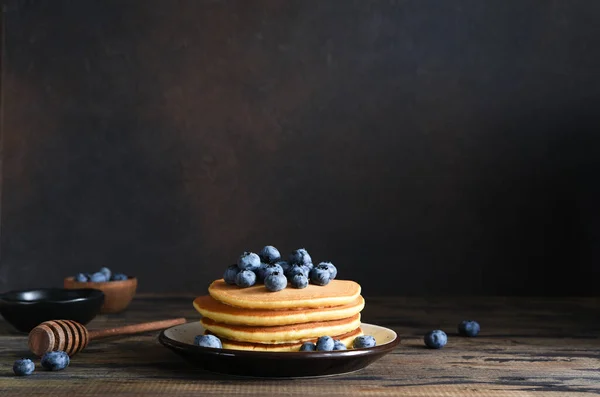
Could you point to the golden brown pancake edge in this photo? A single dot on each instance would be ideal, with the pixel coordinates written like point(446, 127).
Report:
point(346, 339)
point(336, 293)
point(281, 334)
point(209, 307)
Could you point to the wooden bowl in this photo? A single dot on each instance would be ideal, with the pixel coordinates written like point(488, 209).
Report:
point(117, 294)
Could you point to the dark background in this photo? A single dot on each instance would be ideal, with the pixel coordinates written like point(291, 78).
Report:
point(424, 147)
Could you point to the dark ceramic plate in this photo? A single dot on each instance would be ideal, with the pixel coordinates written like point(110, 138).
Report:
point(277, 364)
point(26, 309)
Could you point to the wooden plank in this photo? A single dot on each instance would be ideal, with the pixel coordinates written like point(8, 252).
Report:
point(527, 347)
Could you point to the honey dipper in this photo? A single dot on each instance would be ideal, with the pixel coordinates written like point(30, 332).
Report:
point(72, 337)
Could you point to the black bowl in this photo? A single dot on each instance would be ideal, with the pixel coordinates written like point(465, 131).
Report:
point(26, 309)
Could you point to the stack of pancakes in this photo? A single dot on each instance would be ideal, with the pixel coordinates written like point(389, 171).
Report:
point(256, 319)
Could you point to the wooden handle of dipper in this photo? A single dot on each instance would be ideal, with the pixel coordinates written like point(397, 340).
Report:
point(135, 328)
point(72, 337)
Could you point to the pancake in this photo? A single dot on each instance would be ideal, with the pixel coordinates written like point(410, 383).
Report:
point(283, 333)
point(346, 339)
point(222, 313)
point(336, 293)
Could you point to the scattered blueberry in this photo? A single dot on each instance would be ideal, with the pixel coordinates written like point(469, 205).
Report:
point(363, 341)
point(81, 278)
point(249, 261)
point(245, 278)
point(276, 281)
point(269, 254)
point(106, 271)
point(308, 347)
point(23, 367)
point(230, 273)
point(338, 345)
point(98, 278)
point(208, 341)
point(325, 344)
point(118, 277)
point(299, 281)
point(436, 339)
point(329, 266)
point(267, 270)
point(468, 328)
point(320, 276)
point(295, 269)
point(55, 360)
point(300, 257)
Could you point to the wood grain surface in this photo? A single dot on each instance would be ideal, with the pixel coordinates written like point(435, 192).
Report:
point(527, 347)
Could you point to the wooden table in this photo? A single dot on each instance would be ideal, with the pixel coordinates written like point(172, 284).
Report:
point(527, 347)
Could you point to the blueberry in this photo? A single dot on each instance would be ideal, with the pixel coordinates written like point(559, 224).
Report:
point(307, 269)
point(118, 277)
point(98, 278)
point(230, 273)
point(107, 273)
point(436, 339)
point(260, 272)
point(245, 278)
point(55, 360)
point(208, 341)
point(295, 269)
point(363, 341)
point(81, 278)
point(325, 344)
point(249, 261)
point(308, 347)
point(329, 266)
point(267, 270)
point(284, 265)
point(276, 281)
point(468, 328)
point(320, 276)
point(299, 281)
point(300, 257)
point(269, 254)
point(23, 367)
point(338, 345)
